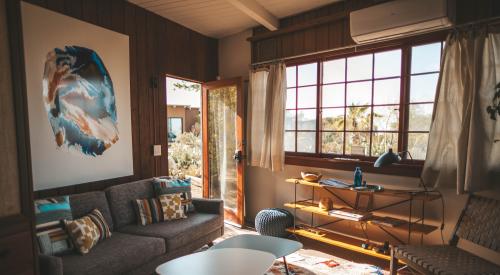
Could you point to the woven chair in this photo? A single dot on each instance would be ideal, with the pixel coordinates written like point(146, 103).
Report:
point(479, 223)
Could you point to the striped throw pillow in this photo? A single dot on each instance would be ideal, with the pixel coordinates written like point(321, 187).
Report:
point(167, 185)
point(148, 211)
point(51, 235)
point(97, 217)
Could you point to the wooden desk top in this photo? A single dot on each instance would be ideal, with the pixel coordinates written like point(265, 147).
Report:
point(416, 195)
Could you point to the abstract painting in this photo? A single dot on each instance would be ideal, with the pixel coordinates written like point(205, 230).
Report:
point(80, 100)
point(78, 97)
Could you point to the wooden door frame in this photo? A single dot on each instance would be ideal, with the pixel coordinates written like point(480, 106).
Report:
point(240, 128)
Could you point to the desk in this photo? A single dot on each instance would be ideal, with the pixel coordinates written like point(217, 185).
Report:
point(320, 233)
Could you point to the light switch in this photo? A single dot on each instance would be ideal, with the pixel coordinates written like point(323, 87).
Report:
point(156, 150)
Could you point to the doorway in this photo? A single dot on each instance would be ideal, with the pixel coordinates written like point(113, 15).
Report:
point(184, 132)
point(205, 128)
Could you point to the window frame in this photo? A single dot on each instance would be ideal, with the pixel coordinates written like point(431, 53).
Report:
point(406, 167)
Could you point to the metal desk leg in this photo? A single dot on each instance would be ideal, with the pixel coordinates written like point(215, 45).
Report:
point(286, 266)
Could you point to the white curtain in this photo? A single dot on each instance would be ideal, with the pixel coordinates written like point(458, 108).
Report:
point(463, 152)
point(266, 114)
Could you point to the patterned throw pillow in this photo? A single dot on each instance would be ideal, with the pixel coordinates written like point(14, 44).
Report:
point(88, 230)
point(98, 219)
point(50, 231)
point(167, 185)
point(172, 207)
point(148, 211)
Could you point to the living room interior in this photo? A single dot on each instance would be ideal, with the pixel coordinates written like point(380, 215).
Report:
point(249, 137)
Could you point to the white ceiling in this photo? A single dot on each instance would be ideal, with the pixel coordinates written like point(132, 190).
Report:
point(219, 18)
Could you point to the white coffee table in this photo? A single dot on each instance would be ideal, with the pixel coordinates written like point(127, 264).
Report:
point(228, 261)
point(279, 247)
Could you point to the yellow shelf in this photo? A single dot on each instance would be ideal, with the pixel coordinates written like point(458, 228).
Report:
point(386, 192)
point(335, 240)
point(313, 208)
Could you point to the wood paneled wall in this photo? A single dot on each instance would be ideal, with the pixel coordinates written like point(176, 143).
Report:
point(157, 47)
point(311, 35)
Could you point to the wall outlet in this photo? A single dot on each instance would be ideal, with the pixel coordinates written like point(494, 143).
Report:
point(156, 150)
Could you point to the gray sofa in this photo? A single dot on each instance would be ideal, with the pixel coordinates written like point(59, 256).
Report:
point(132, 248)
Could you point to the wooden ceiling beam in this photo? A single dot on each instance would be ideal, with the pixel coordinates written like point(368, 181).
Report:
point(258, 13)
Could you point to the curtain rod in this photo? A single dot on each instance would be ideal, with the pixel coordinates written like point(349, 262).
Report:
point(492, 20)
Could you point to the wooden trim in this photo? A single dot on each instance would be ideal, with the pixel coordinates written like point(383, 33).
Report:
point(399, 169)
point(361, 49)
point(302, 26)
point(204, 131)
point(16, 45)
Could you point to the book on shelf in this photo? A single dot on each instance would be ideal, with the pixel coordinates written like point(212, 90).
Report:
point(349, 214)
point(335, 183)
point(387, 221)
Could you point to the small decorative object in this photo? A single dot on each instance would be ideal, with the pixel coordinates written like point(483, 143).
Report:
point(358, 177)
point(311, 176)
point(273, 222)
point(326, 204)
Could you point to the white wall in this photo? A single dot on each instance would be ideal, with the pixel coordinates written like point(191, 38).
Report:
point(235, 55)
point(268, 189)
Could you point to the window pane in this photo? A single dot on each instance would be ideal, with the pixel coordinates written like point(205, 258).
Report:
point(307, 97)
point(290, 141)
point(333, 95)
point(387, 91)
point(334, 71)
point(417, 145)
point(357, 143)
point(425, 58)
point(306, 142)
point(359, 93)
point(423, 87)
point(332, 143)
point(386, 118)
point(359, 67)
point(307, 74)
point(388, 64)
point(290, 120)
point(381, 142)
point(306, 119)
point(291, 80)
point(420, 117)
point(290, 98)
point(333, 119)
point(358, 118)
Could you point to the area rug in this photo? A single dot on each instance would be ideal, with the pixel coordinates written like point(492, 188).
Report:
point(305, 262)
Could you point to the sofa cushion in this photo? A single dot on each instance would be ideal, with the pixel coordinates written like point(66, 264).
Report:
point(178, 233)
point(121, 200)
point(50, 214)
point(82, 204)
point(116, 255)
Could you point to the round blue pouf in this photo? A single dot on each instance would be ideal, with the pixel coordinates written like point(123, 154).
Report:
point(273, 222)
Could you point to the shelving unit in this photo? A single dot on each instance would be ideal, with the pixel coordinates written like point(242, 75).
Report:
point(412, 225)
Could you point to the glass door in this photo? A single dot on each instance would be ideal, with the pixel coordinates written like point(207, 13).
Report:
point(223, 151)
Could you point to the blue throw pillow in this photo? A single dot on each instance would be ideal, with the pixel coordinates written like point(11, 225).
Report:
point(50, 215)
point(168, 185)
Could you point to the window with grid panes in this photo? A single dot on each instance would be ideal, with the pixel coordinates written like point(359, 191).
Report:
point(355, 106)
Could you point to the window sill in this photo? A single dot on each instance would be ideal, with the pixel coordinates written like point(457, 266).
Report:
point(407, 169)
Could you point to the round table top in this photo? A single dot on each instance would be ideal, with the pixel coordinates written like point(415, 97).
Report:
point(279, 247)
point(227, 261)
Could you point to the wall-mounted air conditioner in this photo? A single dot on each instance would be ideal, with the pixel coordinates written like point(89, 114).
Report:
point(400, 18)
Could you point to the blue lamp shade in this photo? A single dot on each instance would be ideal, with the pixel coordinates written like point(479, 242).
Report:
point(387, 158)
